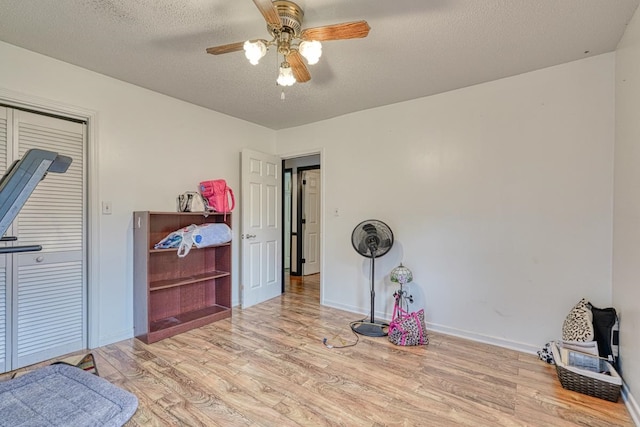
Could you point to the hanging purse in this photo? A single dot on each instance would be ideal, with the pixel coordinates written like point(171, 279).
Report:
point(407, 328)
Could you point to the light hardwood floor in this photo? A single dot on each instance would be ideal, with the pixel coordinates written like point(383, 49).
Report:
point(267, 366)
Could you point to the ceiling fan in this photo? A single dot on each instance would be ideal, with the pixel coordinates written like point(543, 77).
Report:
point(284, 23)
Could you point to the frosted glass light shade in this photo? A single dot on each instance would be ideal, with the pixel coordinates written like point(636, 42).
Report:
point(286, 77)
point(254, 51)
point(401, 274)
point(311, 50)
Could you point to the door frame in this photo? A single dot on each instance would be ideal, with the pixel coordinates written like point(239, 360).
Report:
point(286, 232)
point(303, 153)
point(55, 108)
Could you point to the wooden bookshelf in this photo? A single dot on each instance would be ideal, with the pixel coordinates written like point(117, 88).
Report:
point(171, 294)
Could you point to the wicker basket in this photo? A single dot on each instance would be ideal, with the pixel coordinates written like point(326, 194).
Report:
point(584, 381)
point(589, 386)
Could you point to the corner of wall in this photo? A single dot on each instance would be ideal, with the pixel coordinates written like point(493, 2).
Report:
point(631, 404)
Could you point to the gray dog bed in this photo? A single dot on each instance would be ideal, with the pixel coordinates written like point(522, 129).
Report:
point(62, 395)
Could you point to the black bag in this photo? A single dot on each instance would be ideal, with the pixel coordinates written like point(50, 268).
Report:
point(605, 329)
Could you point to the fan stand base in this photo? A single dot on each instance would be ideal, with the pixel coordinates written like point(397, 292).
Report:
point(377, 329)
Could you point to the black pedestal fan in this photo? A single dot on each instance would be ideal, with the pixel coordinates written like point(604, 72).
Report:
point(371, 238)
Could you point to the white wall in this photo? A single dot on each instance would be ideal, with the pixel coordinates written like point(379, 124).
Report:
point(626, 226)
point(150, 149)
point(499, 195)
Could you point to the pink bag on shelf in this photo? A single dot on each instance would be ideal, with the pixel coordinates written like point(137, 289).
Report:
point(219, 195)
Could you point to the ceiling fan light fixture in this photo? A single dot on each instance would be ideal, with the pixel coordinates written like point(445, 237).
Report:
point(291, 42)
point(311, 50)
point(254, 50)
point(286, 78)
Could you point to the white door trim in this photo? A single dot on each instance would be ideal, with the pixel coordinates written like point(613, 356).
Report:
point(323, 168)
point(21, 100)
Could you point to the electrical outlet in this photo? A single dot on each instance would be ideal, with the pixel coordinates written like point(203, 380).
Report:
point(336, 212)
point(106, 208)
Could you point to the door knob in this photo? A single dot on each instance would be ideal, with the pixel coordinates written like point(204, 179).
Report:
point(248, 236)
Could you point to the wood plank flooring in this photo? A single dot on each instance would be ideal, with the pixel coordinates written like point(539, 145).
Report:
point(267, 366)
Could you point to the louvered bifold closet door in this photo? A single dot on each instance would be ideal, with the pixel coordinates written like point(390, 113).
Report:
point(50, 298)
point(4, 326)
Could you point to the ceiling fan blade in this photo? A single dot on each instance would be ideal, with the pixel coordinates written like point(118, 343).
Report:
point(225, 48)
point(300, 71)
point(269, 12)
point(346, 30)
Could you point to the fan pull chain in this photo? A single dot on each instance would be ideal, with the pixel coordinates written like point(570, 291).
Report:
point(282, 97)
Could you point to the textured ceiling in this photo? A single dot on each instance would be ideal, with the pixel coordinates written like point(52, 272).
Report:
point(415, 48)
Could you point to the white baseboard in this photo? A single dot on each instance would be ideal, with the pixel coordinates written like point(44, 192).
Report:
point(345, 307)
point(359, 313)
point(487, 339)
point(631, 404)
point(473, 336)
point(110, 339)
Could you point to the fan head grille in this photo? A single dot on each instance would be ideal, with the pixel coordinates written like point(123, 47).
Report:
point(372, 238)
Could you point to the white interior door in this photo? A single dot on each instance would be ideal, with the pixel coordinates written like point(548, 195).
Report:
point(311, 239)
point(4, 295)
point(43, 294)
point(49, 297)
point(3, 314)
point(261, 231)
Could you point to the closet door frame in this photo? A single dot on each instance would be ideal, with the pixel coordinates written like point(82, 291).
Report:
point(52, 107)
